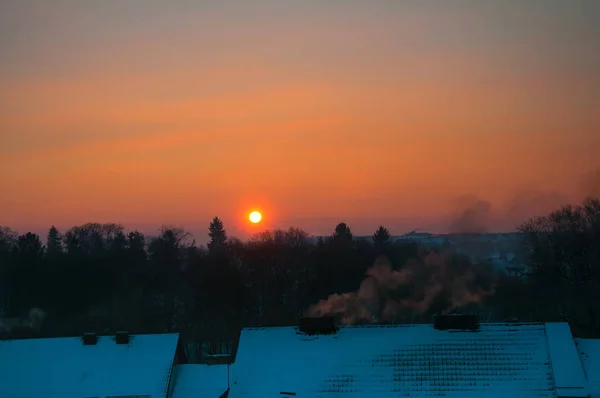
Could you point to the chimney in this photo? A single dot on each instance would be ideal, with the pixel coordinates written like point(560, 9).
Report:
point(456, 322)
point(324, 325)
point(89, 339)
point(122, 337)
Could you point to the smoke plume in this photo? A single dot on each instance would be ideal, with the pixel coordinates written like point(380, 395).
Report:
point(432, 284)
point(32, 321)
point(477, 215)
point(532, 203)
point(472, 215)
point(590, 184)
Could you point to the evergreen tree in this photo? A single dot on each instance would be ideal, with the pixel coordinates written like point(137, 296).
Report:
point(54, 245)
point(136, 243)
point(381, 237)
point(118, 243)
point(217, 234)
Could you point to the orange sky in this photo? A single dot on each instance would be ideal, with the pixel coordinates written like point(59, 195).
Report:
point(316, 112)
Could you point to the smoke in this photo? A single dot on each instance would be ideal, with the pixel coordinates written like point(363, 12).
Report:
point(590, 184)
point(33, 321)
point(475, 215)
point(472, 215)
point(532, 203)
point(434, 283)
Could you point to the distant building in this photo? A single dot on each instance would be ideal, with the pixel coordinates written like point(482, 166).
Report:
point(121, 366)
point(508, 360)
point(422, 238)
point(499, 250)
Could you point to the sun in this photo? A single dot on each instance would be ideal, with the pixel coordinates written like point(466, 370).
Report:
point(255, 217)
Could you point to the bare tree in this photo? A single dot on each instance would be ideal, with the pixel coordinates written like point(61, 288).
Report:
point(565, 256)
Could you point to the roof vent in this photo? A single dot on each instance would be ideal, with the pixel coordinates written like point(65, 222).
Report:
point(456, 322)
point(89, 339)
point(324, 325)
point(122, 337)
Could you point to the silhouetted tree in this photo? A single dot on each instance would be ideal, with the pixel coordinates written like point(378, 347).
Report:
point(7, 242)
point(382, 235)
point(219, 296)
point(565, 256)
point(29, 246)
point(106, 279)
point(136, 243)
point(342, 235)
point(71, 242)
point(217, 234)
point(54, 244)
point(237, 250)
point(8, 238)
point(92, 237)
point(118, 242)
point(381, 238)
point(166, 277)
point(276, 263)
point(25, 272)
point(296, 238)
point(513, 299)
point(320, 242)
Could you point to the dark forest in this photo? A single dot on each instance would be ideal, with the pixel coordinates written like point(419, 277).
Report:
point(97, 277)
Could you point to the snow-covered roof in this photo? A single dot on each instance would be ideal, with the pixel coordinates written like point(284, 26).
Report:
point(589, 352)
point(65, 367)
point(569, 377)
point(200, 381)
point(401, 360)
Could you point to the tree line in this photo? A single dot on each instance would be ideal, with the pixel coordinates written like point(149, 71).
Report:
point(98, 277)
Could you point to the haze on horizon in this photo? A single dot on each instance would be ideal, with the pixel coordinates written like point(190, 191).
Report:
point(379, 112)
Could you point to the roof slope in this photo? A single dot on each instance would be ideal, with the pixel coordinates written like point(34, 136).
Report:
point(411, 360)
point(199, 381)
point(589, 351)
point(64, 367)
point(569, 376)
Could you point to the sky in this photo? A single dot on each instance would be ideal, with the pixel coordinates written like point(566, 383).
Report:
point(401, 113)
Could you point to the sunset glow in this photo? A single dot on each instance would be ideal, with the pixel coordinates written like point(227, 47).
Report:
point(372, 112)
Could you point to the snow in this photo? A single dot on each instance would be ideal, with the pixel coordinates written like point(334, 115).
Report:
point(65, 368)
point(569, 376)
point(589, 351)
point(386, 361)
point(199, 381)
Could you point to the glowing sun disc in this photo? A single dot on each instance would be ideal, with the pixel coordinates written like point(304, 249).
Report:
point(255, 217)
